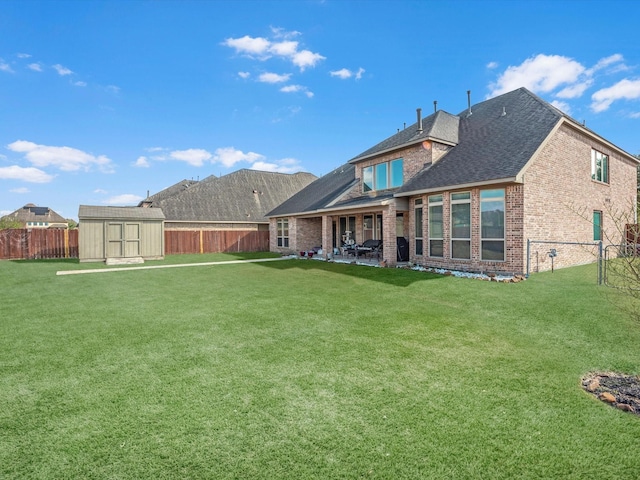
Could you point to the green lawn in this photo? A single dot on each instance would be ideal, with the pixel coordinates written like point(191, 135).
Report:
point(309, 370)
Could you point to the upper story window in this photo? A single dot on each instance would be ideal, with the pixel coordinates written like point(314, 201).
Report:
point(382, 176)
point(599, 166)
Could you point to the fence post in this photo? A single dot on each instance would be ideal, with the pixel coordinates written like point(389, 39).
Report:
point(600, 262)
point(528, 256)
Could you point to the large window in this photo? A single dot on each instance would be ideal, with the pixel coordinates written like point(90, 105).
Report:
point(492, 224)
point(597, 225)
point(461, 225)
point(283, 232)
point(599, 166)
point(436, 230)
point(382, 176)
point(418, 217)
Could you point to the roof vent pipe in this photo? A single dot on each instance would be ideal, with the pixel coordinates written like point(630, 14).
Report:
point(435, 106)
point(504, 111)
point(469, 101)
point(419, 113)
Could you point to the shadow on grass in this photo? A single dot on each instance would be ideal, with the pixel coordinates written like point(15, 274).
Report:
point(398, 277)
point(48, 261)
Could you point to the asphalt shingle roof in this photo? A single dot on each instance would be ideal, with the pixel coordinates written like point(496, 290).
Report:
point(86, 212)
point(440, 126)
point(495, 142)
point(242, 196)
point(318, 194)
point(33, 213)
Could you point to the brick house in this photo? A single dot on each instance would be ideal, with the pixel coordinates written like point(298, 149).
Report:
point(468, 191)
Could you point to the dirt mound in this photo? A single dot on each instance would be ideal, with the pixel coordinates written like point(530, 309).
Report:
point(618, 390)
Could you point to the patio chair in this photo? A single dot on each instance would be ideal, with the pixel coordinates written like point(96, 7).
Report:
point(369, 248)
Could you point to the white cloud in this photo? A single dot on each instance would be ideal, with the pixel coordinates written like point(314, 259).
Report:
point(605, 62)
point(36, 67)
point(20, 190)
point(125, 199)
point(112, 89)
point(345, 73)
point(142, 162)
point(5, 67)
point(101, 191)
point(286, 165)
point(65, 158)
point(248, 45)
point(297, 88)
point(564, 106)
point(492, 65)
point(635, 115)
point(263, 49)
point(305, 59)
point(576, 90)
point(623, 90)
point(79, 84)
point(192, 156)
point(284, 49)
point(542, 73)
point(23, 55)
point(244, 75)
point(274, 77)
point(26, 174)
point(62, 70)
point(229, 156)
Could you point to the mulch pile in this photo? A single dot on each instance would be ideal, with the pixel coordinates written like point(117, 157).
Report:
point(618, 390)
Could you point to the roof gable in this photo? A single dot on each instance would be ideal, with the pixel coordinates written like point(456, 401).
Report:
point(33, 213)
point(440, 127)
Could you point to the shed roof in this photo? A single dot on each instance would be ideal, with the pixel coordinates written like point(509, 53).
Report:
point(94, 212)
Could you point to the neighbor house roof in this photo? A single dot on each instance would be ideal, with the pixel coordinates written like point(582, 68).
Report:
point(168, 192)
point(33, 213)
point(242, 196)
point(93, 212)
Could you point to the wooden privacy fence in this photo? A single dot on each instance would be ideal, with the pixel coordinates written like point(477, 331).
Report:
point(38, 243)
point(215, 241)
point(57, 243)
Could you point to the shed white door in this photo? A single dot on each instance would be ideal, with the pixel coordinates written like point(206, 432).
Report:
point(123, 240)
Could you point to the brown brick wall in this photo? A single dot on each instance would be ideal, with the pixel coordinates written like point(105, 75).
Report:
point(563, 210)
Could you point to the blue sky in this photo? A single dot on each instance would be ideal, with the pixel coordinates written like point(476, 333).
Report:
point(101, 102)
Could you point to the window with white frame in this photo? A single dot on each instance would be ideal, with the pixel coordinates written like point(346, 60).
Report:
point(283, 232)
point(382, 176)
point(492, 232)
point(418, 224)
point(599, 166)
point(436, 231)
point(461, 225)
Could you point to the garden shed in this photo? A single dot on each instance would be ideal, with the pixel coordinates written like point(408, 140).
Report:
point(120, 234)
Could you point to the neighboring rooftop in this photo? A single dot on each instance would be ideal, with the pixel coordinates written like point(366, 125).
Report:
point(32, 213)
point(242, 196)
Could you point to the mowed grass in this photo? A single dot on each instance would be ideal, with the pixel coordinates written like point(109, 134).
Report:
point(309, 370)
